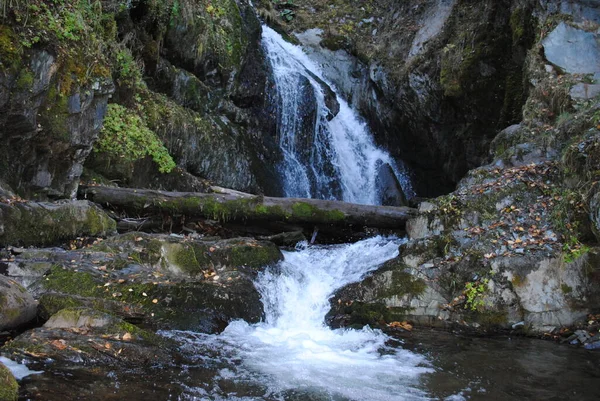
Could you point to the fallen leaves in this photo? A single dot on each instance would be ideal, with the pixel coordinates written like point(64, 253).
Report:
point(401, 325)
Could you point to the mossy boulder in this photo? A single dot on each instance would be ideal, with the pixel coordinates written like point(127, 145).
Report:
point(382, 297)
point(33, 223)
point(163, 281)
point(9, 389)
point(95, 345)
point(17, 306)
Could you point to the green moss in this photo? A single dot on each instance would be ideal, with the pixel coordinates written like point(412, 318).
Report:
point(71, 282)
point(50, 303)
point(9, 389)
point(191, 258)
point(566, 289)
point(254, 256)
point(11, 50)
point(126, 137)
point(489, 319)
point(372, 314)
point(309, 212)
point(25, 81)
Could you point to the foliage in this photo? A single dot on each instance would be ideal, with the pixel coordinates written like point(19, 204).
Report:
point(126, 136)
point(474, 293)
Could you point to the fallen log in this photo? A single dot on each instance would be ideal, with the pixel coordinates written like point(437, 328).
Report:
point(232, 206)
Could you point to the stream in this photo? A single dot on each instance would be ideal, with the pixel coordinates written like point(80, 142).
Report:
point(293, 355)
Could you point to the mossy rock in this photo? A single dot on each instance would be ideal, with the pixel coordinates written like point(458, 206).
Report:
point(17, 306)
point(9, 389)
point(35, 223)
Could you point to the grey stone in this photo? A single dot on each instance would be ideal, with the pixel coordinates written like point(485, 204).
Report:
point(17, 306)
point(585, 91)
point(79, 318)
point(573, 50)
point(431, 24)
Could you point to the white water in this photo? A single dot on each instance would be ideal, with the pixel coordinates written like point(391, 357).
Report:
point(294, 352)
point(340, 161)
point(18, 370)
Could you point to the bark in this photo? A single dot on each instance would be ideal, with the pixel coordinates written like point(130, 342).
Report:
point(233, 206)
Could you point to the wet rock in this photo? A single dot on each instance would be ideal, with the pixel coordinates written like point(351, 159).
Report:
point(165, 281)
point(573, 50)
point(44, 223)
point(17, 306)
point(9, 389)
point(378, 299)
point(388, 187)
point(93, 346)
point(331, 102)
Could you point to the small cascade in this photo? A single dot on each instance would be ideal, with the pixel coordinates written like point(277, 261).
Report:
point(293, 352)
point(328, 151)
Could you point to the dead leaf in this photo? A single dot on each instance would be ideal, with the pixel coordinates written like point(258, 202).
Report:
point(59, 344)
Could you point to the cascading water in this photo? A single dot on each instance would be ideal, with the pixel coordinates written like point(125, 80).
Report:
point(292, 354)
point(323, 157)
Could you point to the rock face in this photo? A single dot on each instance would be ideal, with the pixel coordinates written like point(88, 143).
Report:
point(389, 188)
point(435, 79)
point(488, 257)
point(190, 73)
point(47, 136)
point(17, 306)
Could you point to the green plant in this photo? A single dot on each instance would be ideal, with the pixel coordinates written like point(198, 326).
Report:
point(287, 14)
point(474, 293)
point(126, 136)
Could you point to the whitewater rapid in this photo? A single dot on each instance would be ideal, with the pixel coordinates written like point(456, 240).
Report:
point(293, 351)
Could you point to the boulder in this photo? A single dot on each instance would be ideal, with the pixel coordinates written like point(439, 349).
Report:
point(573, 50)
point(108, 354)
point(17, 306)
point(45, 223)
point(388, 187)
point(168, 282)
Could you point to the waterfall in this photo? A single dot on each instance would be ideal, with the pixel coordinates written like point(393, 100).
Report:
point(294, 352)
point(324, 156)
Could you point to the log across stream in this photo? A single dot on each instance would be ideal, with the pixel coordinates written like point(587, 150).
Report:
point(242, 209)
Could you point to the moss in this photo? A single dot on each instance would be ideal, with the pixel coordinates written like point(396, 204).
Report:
point(372, 314)
point(71, 282)
point(489, 319)
point(9, 389)
point(309, 212)
point(25, 80)
point(254, 256)
point(191, 258)
point(566, 289)
point(37, 225)
point(518, 281)
point(11, 50)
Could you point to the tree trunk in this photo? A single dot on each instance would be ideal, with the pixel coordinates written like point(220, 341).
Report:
point(232, 206)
